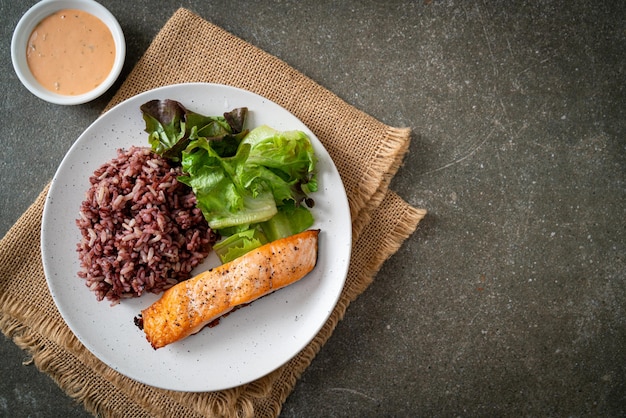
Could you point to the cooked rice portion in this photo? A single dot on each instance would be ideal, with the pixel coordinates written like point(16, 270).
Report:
point(141, 230)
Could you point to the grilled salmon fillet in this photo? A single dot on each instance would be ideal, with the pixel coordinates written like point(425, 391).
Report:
point(187, 307)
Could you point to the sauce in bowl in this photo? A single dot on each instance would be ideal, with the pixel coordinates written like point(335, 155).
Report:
point(70, 52)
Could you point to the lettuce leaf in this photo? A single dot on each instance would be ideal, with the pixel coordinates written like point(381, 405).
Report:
point(251, 186)
point(224, 201)
point(171, 127)
point(289, 220)
point(269, 169)
point(284, 160)
point(239, 244)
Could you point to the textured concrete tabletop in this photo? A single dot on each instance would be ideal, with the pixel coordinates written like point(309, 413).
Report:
point(510, 298)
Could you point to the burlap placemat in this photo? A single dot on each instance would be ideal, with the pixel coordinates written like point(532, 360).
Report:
point(367, 154)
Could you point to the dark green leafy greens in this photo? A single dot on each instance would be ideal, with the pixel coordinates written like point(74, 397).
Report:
point(252, 186)
point(171, 127)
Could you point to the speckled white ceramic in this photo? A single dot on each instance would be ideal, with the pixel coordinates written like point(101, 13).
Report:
point(25, 27)
point(248, 343)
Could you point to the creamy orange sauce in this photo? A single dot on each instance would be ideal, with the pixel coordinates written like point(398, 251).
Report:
point(70, 52)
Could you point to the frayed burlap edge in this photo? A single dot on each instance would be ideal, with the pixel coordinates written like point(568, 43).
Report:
point(364, 215)
point(62, 367)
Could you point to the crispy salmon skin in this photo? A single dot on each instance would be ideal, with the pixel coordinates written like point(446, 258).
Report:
point(186, 308)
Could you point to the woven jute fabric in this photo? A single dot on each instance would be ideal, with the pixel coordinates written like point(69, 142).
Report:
point(366, 152)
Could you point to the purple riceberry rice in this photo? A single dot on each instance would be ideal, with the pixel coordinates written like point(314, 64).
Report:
point(141, 230)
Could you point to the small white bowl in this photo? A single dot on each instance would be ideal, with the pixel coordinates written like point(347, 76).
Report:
point(25, 27)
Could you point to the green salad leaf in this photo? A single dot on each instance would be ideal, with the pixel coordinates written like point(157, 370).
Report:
point(171, 127)
point(220, 194)
point(251, 186)
point(289, 220)
point(269, 169)
point(239, 243)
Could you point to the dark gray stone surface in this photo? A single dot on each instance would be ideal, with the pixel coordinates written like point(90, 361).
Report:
point(510, 298)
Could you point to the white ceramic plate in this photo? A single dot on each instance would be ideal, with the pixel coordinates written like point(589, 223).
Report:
point(247, 344)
